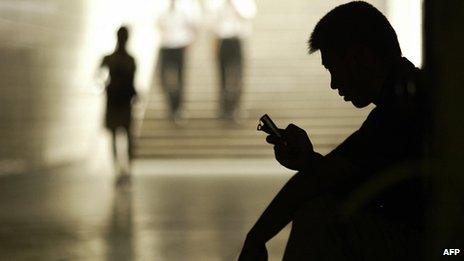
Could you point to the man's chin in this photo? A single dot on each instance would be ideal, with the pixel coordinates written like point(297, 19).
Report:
point(359, 104)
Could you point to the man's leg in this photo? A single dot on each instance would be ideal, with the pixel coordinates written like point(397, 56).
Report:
point(315, 233)
point(231, 72)
point(114, 149)
point(178, 90)
point(163, 74)
point(162, 63)
point(320, 232)
point(222, 64)
point(235, 76)
point(169, 77)
point(123, 132)
point(130, 145)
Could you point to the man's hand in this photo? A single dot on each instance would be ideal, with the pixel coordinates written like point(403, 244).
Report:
point(253, 251)
point(295, 150)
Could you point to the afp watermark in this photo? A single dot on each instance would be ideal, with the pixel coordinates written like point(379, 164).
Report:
point(451, 251)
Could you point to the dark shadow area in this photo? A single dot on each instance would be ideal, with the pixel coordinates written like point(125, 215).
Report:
point(444, 63)
point(367, 199)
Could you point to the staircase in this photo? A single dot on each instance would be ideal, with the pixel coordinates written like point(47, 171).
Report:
point(280, 80)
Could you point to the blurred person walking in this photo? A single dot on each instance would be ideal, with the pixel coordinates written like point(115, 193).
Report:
point(178, 27)
point(120, 92)
point(232, 24)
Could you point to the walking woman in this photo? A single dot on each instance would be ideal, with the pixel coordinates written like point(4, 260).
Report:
point(120, 92)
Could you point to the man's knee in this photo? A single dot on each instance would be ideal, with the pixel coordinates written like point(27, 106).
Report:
point(323, 207)
point(314, 233)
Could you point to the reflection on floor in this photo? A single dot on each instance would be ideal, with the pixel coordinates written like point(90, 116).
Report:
point(76, 214)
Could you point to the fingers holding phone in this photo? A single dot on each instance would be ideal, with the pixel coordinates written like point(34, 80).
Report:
point(292, 146)
point(297, 139)
point(274, 140)
point(298, 149)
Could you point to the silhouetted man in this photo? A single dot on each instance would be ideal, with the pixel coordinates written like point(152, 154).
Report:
point(120, 91)
point(362, 200)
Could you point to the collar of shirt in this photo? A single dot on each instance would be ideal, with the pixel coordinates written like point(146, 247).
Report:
point(399, 83)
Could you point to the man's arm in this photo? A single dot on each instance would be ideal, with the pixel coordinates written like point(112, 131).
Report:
point(318, 175)
point(344, 167)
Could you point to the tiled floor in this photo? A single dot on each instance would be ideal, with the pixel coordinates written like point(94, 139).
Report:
point(76, 214)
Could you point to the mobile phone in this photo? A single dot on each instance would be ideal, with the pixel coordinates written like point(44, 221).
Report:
point(267, 125)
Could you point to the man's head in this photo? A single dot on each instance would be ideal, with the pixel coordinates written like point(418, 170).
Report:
point(358, 46)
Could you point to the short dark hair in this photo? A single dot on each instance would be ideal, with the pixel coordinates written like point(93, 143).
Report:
point(354, 23)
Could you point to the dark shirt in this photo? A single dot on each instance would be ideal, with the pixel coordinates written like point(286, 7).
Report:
point(387, 149)
point(388, 144)
point(120, 89)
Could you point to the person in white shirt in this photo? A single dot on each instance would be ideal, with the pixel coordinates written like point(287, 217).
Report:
point(232, 24)
point(178, 26)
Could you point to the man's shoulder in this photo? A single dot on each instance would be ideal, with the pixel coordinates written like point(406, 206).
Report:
point(405, 94)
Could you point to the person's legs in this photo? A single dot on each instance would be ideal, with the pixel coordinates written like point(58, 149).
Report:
point(113, 145)
point(178, 90)
point(163, 68)
point(114, 149)
point(235, 76)
point(380, 239)
point(320, 232)
point(230, 66)
point(124, 134)
point(130, 146)
point(169, 76)
point(222, 58)
point(315, 234)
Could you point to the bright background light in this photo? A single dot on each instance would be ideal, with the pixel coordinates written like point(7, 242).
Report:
point(104, 17)
point(406, 18)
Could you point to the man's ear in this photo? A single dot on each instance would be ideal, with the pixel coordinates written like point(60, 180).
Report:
point(354, 56)
point(363, 57)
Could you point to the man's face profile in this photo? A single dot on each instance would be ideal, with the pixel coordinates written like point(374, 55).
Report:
point(348, 75)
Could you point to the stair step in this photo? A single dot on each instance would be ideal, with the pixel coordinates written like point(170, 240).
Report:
point(238, 133)
point(206, 142)
point(212, 122)
point(217, 153)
